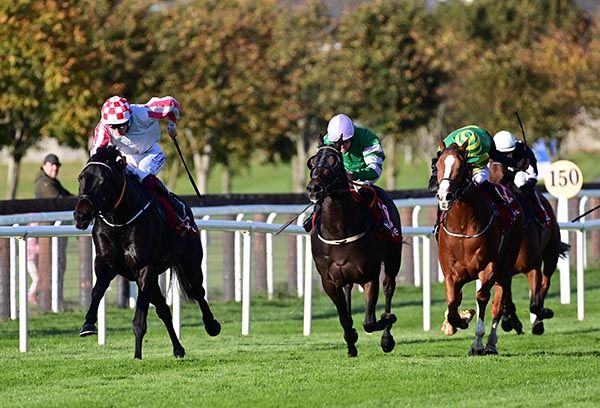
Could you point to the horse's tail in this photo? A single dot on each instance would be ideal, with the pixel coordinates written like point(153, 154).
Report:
point(186, 285)
point(563, 248)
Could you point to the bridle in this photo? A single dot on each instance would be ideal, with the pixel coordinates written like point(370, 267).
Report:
point(460, 184)
point(333, 171)
point(92, 200)
point(328, 187)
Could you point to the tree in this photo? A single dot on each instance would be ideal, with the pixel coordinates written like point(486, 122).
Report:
point(218, 62)
point(393, 76)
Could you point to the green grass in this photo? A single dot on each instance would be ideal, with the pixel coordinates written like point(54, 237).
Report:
point(277, 366)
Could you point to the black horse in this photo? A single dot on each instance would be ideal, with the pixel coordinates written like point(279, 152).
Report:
point(347, 248)
point(132, 240)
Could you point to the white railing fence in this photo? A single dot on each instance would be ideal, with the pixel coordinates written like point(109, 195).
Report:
point(244, 229)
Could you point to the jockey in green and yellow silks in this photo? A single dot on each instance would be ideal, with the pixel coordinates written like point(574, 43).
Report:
point(480, 148)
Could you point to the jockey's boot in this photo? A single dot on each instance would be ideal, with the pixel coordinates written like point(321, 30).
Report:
point(161, 194)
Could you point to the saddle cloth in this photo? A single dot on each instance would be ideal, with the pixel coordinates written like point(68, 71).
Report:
point(386, 228)
point(507, 213)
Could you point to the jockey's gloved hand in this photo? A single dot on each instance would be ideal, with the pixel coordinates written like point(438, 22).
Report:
point(172, 129)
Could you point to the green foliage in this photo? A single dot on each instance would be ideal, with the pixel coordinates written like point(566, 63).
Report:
point(393, 75)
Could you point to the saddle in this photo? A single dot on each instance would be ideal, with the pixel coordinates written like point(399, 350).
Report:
point(381, 216)
point(507, 213)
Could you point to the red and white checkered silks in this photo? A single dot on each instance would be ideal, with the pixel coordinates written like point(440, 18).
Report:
point(115, 110)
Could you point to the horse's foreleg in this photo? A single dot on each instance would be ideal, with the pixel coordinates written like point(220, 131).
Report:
point(104, 275)
point(164, 313)
point(510, 320)
point(140, 320)
point(338, 297)
point(453, 319)
point(483, 298)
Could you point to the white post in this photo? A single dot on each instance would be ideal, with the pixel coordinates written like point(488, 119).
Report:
point(300, 259)
point(562, 214)
point(582, 205)
point(237, 262)
point(132, 295)
point(426, 284)
point(307, 287)
point(204, 241)
point(415, 242)
point(269, 249)
point(54, 281)
point(246, 283)
point(23, 306)
point(176, 305)
point(101, 306)
point(580, 271)
point(13, 278)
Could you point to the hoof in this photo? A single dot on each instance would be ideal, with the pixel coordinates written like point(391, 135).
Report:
point(352, 351)
point(448, 329)
point(474, 352)
point(547, 313)
point(87, 330)
point(213, 328)
point(370, 328)
point(179, 352)
point(490, 350)
point(507, 324)
point(538, 327)
point(518, 326)
point(389, 318)
point(387, 344)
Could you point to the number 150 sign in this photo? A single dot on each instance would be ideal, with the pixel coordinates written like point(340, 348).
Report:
point(564, 179)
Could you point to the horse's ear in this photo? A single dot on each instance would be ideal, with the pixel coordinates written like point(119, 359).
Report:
point(121, 161)
point(463, 147)
point(321, 140)
point(442, 146)
point(310, 163)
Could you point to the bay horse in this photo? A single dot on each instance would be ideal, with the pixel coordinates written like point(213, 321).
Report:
point(133, 240)
point(541, 245)
point(347, 249)
point(472, 245)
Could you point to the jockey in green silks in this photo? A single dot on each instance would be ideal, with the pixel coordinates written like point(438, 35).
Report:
point(363, 157)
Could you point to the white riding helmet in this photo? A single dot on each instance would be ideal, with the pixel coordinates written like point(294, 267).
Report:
point(505, 141)
point(340, 126)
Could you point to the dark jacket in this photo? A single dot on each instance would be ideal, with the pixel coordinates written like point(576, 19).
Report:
point(47, 187)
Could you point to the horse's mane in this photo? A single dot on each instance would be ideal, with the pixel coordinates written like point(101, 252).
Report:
point(105, 154)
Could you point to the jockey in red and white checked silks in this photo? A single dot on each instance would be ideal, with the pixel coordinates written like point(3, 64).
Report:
point(135, 131)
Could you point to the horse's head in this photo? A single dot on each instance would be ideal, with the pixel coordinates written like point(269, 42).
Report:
point(101, 185)
point(453, 174)
point(500, 174)
point(327, 173)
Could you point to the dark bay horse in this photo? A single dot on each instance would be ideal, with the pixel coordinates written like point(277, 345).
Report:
point(541, 244)
point(347, 250)
point(472, 245)
point(132, 240)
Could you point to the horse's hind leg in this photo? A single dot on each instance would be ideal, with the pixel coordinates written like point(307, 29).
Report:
point(483, 297)
point(104, 275)
point(190, 269)
point(341, 300)
point(164, 313)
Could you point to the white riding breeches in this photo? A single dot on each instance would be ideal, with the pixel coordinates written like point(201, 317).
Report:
point(481, 175)
point(149, 162)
